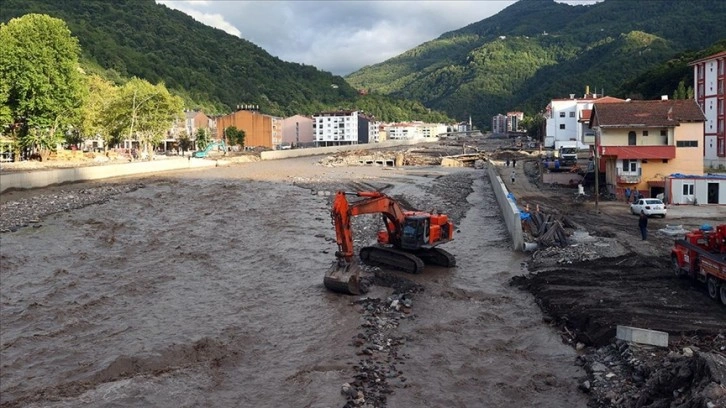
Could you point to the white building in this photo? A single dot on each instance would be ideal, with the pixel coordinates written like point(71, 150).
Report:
point(568, 120)
point(413, 130)
point(341, 128)
point(709, 85)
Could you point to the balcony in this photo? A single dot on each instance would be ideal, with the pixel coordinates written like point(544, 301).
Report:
point(662, 152)
point(628, 179)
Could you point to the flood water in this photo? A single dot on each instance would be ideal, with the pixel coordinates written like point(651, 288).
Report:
point(204, 288)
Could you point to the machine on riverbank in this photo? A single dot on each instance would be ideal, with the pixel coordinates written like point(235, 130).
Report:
point(409, 240)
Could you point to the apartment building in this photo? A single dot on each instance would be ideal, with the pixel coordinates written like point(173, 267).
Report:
point(499, 124)
point(297, 131)
point(513, 121)
point(709, 85)
point(567, 120)
point(341, 128)
point(260, 130)
point(414, 130)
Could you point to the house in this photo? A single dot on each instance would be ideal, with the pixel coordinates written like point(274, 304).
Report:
point(709, 85)
point(297, 131)
point(344, 127)
point(567, 120)
point(641, 143)
point(260, 130)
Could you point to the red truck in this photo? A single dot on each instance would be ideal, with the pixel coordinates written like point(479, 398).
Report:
point(702, 255)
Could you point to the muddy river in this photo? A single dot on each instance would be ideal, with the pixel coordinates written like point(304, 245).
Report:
point(204, 288)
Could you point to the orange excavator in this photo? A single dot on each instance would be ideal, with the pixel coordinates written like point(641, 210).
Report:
point(409, 240)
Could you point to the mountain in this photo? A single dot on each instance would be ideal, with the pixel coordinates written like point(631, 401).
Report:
point(536, 50)
point(125, 38)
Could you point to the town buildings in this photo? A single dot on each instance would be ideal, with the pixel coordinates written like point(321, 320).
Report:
point(709, 85)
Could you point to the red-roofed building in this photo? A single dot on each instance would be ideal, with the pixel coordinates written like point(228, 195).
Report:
point(709, 84)
point(640, 143)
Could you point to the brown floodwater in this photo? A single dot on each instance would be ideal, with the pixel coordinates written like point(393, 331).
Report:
point(204, 288)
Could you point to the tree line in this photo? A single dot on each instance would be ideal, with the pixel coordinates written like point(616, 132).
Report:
point(46, 98)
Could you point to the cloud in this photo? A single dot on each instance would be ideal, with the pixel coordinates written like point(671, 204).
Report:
point(340, 36)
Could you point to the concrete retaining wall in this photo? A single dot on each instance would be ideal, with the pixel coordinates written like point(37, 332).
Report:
point(44, 178)
point(510, 212)
point(315, 151)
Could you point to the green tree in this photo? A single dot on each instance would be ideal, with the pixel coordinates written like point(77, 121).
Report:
point(202, 138)
point(97, 121)
point(234, 136)
point(42, 89)
point(144, 112)
point(185, 143)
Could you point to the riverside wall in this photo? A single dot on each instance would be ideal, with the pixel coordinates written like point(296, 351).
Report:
point(44, 178)
point(315, 151)
point(510, 212)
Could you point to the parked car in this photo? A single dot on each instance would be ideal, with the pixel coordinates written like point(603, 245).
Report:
point(651, 206)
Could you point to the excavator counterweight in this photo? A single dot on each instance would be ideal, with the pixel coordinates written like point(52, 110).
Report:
point(409, 241)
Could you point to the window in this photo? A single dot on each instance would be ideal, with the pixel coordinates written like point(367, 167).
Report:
point(572, 114)
point(687, 189)
point(687, 143)
point(630, 166)
point(562, 114)
point(645, 133)
point(664, 133)
point(562, 126)
point(631, 138)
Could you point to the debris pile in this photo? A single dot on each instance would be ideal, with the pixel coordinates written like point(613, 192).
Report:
point(548, 230)
point(622, 374)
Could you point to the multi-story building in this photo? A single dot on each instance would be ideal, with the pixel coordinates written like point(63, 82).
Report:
point(567, 120)
point(513, 121)
point(414, 130)
point(499, 124)
point(641, 143)
point(297, 131)
point(260, 130)
point(341, 128)
point(709, 85)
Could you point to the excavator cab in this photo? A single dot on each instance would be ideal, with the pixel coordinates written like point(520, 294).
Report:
point(415, 232)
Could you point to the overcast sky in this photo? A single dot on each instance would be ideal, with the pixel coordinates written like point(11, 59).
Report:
point(339, 36)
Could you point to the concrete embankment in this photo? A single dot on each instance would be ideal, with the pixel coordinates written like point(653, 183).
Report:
point(510, 212)
point(45, 178)
point(315, 151)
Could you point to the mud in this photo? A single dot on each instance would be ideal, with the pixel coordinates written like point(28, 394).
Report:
point(204, 288)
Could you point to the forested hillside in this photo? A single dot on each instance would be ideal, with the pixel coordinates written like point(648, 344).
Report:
point(536, 50)
point(208, 67)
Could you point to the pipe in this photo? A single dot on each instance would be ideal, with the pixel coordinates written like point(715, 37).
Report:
point(529, 246)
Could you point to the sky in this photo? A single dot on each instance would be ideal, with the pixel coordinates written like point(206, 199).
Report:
point(339, 36)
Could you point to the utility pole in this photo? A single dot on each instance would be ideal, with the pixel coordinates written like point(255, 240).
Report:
point(597, 171)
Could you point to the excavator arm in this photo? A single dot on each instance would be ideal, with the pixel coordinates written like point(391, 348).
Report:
point(374, 203)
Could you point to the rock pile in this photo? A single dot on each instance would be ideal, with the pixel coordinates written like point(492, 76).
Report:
point(630, 375)
point(31, 211)
point(378, 371)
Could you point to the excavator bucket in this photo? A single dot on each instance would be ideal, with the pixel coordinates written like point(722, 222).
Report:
point(344, 277)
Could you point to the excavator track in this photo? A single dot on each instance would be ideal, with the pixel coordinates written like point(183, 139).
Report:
point(392, 258)
point(437, 256)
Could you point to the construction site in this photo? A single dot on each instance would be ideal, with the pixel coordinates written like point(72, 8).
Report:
point(211, 286)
